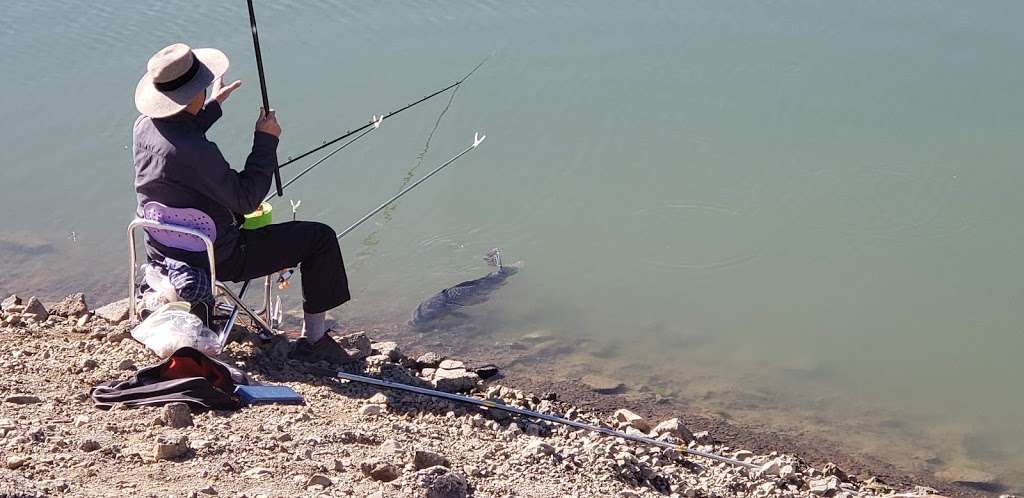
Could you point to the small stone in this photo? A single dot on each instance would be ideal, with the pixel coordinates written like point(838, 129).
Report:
point(80, 420)
point(379, 399)
point(258, 472)
point(89, 445)
point(429, 360)
point(16, 462)
point(831, 469)
point(22, 399)
point(208, 490)
point(84, 319)
point(603, 385)
point(743, 455)
point(826, 486)
point(89, 364)
point(675, 428)
point(126, 365)
point(786, 471)
point(626, 494)
point(423, 458)
point(71, 306)
point(115, 312)
point(319, 480)
point(630, 419)
point(388, 349)
point(356, 346)
point(440, 482)
point(538, 448)
point(177, 415)
point(34, 308)
point(370, 410)
point(9, 302)
point(451, 365)
point(379, 470)
point(168, 447)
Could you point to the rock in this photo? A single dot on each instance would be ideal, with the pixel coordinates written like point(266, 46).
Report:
point(379, 470)
point(89, 445)
point(967, 476)
point(84, 319)
point(258, 472)
point(16, 461)
point(485, 371)
point(379, 399)
point(423, 458)
point(115, 312)
point(34, 308)
point(603, 385)
point(831, 469)
point(786, 471)
point(826, 486)
point(177, 415)
point(388, 349)
point(169, 446)
point(440, 482)
point(319, 480)
point(356, 346)
point(451, 365)
point(80, 420)
point(626, 494)
point(457, 380)
point(208, 490)
point(675, 428)
point(22, 399)
point(629, 419)
point(12, 300)
point(743, 455)
point(370, 410)
point(71, 306)
point(538, 448)
point(429, 360)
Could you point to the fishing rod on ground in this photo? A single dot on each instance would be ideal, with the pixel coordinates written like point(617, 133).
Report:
point(542, 416)
point(263, 84)
point(477, 140)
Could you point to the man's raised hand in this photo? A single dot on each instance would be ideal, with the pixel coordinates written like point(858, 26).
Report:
point(222, 92)
point(267, 123)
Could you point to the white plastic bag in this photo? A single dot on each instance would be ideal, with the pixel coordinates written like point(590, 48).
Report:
point(160, 292)
point(172, 327)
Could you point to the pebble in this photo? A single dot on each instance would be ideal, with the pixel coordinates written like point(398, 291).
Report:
point(538, 448)
point(675, 428)
point(16, 462)
point(379, 470)
point(379, 399)
point(440, 482)
point(630, 419)
point(370, 410)
point(22, 399)
point(126, 365)
point(89, 445)
point(424, 458)
point(429, 360)
point(177, 415)
point(169, 447)
point(319, 480)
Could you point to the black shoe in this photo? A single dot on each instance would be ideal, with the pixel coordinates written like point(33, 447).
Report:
point(324, 349)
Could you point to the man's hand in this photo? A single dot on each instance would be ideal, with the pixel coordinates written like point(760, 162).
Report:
point(267, 123)
point(221, 92)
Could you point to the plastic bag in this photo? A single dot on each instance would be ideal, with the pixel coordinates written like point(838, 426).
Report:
point(160, 290)
point(172, 327)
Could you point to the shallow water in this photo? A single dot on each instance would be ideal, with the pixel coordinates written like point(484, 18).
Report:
point(798, 213)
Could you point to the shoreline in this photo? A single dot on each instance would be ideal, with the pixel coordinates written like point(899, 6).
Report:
point(48, 363)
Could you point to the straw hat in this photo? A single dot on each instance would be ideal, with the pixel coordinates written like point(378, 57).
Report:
point(174, 76)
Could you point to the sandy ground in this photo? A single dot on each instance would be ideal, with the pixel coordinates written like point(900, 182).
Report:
point(348, 439)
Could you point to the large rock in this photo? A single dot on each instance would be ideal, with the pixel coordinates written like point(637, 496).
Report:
point(12, 300)
point(379, 470)
point(169, 447)
point(71, 306)
point(456, 380)
point(826, 486)
point(115, 312)
point(440, 482)
point(603, 385)
point(356, 346)
point(629, 419)
point(424, 458)
point(34, 308)
point(675, 428)
point(429, 360)
point(388, 349)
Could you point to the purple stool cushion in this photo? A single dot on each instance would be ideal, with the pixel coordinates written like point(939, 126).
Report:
point(182, 217)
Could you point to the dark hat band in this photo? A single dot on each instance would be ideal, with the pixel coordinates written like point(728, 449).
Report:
point(176, 83)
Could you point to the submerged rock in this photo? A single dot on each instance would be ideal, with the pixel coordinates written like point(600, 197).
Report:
point(603, 385)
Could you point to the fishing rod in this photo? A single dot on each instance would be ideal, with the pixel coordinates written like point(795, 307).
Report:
point(349, 133)
point(263, 84)
point(376, 124)
point(286, 274)
point(542, 416)
point(477, 140)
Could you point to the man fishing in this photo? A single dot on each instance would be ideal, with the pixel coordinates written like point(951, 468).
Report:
point(178, 167)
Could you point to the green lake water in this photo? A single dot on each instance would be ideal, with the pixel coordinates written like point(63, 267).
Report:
point(803, 214)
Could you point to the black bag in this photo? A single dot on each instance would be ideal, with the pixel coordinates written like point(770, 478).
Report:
point(187, 375)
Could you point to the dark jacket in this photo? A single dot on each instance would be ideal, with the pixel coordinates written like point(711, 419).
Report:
point(177, 166)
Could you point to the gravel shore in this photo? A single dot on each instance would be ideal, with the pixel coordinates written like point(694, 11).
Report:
point(348, 439)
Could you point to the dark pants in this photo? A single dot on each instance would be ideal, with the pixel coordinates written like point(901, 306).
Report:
point(275, 247)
